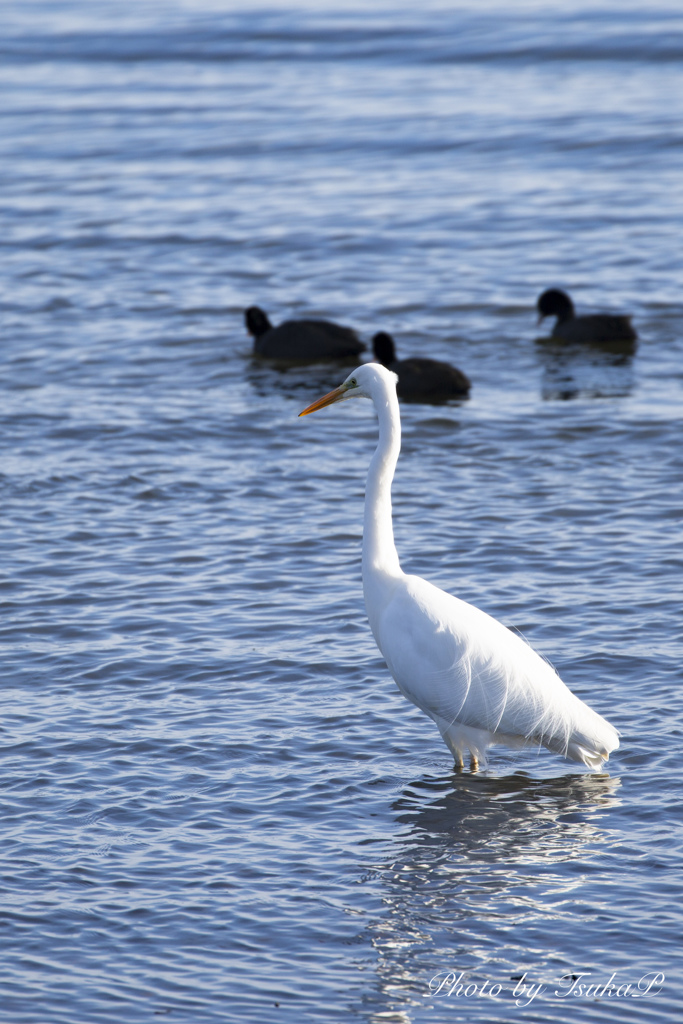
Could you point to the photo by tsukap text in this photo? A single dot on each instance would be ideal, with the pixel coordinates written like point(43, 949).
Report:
point(524, 990)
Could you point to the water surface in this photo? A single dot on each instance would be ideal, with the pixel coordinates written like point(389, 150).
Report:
point(216, 805)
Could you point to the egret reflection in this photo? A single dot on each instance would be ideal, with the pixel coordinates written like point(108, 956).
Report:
point(485, 862)
point(489, 807)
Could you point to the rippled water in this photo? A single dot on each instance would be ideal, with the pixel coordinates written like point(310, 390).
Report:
point(216, 806)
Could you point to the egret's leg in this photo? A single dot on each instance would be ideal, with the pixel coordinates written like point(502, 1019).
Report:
point(474, 763)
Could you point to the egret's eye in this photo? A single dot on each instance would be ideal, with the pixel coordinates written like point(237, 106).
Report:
point(353, 383)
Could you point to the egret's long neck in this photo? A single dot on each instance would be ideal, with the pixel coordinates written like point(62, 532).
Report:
point(379, 550)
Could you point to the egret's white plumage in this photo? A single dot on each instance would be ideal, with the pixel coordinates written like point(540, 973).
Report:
point(479, 682)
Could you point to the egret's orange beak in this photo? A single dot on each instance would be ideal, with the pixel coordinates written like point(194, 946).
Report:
point(328, 399)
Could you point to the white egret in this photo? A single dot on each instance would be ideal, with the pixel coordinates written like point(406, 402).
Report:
point(479, 682)
point(588, 329)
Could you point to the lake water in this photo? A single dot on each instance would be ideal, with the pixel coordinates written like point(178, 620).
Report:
point(216, 805)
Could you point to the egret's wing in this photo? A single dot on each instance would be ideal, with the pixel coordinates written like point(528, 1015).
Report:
point(454, 661)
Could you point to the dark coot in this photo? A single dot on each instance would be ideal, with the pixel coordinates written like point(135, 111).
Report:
point(591, 329)
point(301, 340)
point(420, 379)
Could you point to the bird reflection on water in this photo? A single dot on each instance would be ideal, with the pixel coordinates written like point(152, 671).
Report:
point(482, 856)
point(575, 371)
point(287, 378)
point(478, 807)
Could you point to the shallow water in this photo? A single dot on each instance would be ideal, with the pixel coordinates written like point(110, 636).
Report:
point(216, 804)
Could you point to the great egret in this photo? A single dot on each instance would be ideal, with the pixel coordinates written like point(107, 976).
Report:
point(591, 329)
point(420, 378)
point(479, 682)
point(301, 340)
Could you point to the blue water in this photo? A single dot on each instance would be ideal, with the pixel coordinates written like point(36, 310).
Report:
point(216, 805)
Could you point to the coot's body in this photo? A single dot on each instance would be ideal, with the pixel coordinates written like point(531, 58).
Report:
point(301, 340)
point(591, 329)
point(420, 379)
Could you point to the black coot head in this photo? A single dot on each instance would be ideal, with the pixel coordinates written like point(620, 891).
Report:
point(257, 321)
point(383, 348)
point(555, 302)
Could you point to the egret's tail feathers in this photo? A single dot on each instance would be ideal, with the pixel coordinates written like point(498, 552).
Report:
point(589, 742)
point(589, 752)
point(592, 759)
